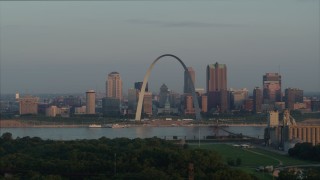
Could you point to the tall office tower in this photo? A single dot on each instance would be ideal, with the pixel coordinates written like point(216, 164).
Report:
point(187, 82)
point(132, 100)
point(257, 100)
point(292, 96)
point(147, 103)
point(216, 77)
point(91, 102)
point(224, 100)
point(217, 87)
point(28, 105)
point(114, 86)
point(189, 105)
point(271, 88)
point(204, 103)
point(163, 95)
point(138, 85)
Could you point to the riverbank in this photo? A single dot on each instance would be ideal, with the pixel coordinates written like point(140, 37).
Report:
point(17, 123)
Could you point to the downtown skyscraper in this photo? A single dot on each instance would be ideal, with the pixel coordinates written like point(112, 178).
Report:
point(257, 100)
point(217, 87)
point(271, 88)
point(90, 102)
point(114, 86)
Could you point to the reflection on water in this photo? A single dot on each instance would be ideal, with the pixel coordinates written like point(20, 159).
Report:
point(132, 132)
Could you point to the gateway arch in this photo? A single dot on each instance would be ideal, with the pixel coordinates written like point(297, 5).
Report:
point(145, 80)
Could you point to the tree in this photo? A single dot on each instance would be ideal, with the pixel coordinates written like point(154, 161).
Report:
point(6, 136)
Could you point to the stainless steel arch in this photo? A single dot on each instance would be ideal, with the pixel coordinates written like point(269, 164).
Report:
point(145, 80)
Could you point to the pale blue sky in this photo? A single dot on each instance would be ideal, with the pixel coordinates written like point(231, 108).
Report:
point(65, 47)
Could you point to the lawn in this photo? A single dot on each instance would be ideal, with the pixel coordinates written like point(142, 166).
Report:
point(251, 158)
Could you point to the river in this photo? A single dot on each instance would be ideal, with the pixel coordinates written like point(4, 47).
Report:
point(132, 132)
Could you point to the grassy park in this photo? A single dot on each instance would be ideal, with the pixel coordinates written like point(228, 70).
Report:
point(252, 158)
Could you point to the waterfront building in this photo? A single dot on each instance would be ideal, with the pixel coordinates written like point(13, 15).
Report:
point(187, 82)
point(257, 100)
point(293, 96)
point(114, 86)
point(272, 88)
point(286, 133)
point(52, 111)
point(90, 102)
point(28, 105)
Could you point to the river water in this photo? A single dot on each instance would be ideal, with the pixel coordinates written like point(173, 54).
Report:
point(132, 132)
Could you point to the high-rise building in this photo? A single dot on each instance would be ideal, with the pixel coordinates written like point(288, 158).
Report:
point(164, 92)
point(187, 83)
point(138, 86)
point(147, 103)
point(28, 105)
point(271, 88)
point(90, 102)
point(132, 100)
point(292, 96)
point(217, 87)
point(114, 86)
point(189, 105)
point(204, 103)
point(52, 111)
point(216, 77)
point(257, 100)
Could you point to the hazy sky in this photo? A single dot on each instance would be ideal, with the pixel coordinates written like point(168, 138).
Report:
point(66, 47)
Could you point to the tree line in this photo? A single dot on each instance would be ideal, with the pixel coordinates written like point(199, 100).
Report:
point(120, 158)
point(305, 151)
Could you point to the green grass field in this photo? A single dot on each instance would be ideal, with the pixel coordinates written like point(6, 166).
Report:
point(252, 158)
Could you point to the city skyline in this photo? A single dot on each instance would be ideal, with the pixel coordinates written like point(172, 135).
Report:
point(45, 52)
